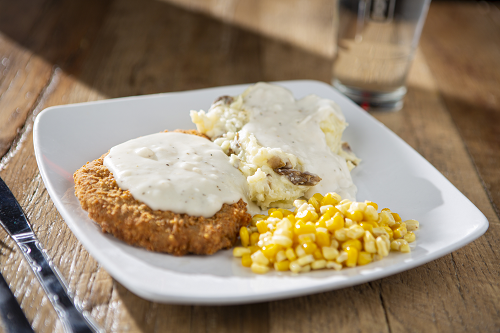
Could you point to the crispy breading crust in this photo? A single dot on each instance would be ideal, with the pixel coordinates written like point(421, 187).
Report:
point(119, 214)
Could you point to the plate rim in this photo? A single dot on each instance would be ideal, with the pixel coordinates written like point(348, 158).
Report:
point(250, 298)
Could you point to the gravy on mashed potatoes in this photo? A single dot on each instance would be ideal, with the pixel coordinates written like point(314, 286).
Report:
point(286, 148)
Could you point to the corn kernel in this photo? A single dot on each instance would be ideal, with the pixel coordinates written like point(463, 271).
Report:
point(324, 210)
point(390, 233)
point(396, 216)
point(367, 226)
point(295, 267)
point(280, 256)
point(335, 243)
point(322, 237)
point(358, 206)
point(283, 231)
point(309, 247)
point(341, 234)
point(371, 246)
point(395, 245)
point(246, 260)
point(271, 210)
point(405, 247)
point(330, 199)
point(342, 257)
point(282, 240)
point(259, 258)
point(412, 225)
point(290, 254)
point(314, 202)
point(285, 212)
point(321, 223)
point(373, 204)
point(276, 214)
point(395, 225)
point(382, 248)
point(271, 250)
point(370, 243)
point(305, 260)
point(240, 251)
point(343, 207)
point(253, 248)
point(259, 269)
point(334, 265)
point(258, 217)
point(262, 226)
point(306, 238)
point(265, 238)
point(373, 223)
point(387, 241)
point(356, 216)
point(336, 223)
point(254, 238)
point(385, 218)
point(305, 269)
point(355, 232)
point(297, 203)
point(352, 256)
point(352, 243)
point(368, 236)
point(371, 213)
point(410, 237)
point(329, 211)
point(244, 236)
point(318, 264)
point(291, 218)
point(400, 232)
point(302, 228)
point(349, 223)
point(400, 245)
point(329, 253)
point(318, 196)
point(317, 254)
point(379, 231)
point(364, 258)
point(282, 265)
point(299, 251)
point(307, 216)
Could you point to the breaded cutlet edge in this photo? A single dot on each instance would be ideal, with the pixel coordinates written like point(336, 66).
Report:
point(120, 214)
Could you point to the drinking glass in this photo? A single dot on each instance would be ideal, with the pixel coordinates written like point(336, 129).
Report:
point(376, 42)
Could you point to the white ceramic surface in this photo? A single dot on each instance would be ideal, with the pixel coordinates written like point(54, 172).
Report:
point(391, 174)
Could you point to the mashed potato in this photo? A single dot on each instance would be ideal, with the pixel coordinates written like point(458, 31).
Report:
point(286, 148)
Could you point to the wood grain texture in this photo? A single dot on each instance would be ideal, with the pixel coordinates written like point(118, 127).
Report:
point(68, 52)
point(465, 57)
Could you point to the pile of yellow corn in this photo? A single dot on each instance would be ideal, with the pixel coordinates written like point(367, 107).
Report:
point(324, 232)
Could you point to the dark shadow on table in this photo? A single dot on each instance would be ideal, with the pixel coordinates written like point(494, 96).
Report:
point(127, 48)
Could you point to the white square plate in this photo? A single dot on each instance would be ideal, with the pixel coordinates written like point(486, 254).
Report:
point(391, 174)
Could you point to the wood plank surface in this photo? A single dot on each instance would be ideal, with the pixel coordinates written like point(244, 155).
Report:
point(57, 52)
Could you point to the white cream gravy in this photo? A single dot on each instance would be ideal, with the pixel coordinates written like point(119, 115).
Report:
point(279, 121)
point(178, 172)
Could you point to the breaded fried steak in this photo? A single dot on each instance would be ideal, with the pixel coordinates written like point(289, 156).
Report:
point(118, 213)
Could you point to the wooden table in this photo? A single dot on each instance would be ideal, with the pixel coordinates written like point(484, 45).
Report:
point(60, 52)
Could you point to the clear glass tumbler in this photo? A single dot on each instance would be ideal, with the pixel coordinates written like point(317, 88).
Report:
point(375, 46)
